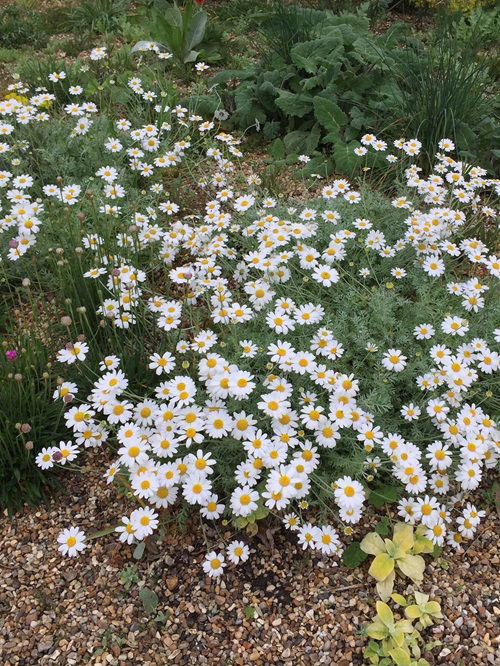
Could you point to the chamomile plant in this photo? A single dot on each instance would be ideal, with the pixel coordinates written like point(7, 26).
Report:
point(256, 355)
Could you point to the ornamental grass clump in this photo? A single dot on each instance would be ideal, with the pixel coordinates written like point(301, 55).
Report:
point(237, 355)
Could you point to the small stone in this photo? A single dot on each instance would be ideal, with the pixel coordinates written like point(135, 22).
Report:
point(172, 583)
point(44, 646)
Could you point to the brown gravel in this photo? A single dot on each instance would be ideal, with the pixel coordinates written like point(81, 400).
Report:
point(282, 607)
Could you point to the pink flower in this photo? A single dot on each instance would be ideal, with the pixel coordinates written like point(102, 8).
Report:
point(11, 354)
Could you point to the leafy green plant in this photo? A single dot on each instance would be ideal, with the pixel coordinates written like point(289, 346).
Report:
point(444, 90)
point(180, 31)
point(287, 25)
point(21, 25)
point(397, 641)
point(334, 85)
point(129, 576)
point(29, 419)
point(96, 16)
point(423, 610)
point(391, 633)
point(149, 600)
point(393, 641)
point(401, 554)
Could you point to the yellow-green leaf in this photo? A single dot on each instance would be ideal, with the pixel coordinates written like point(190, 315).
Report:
point(423, 545)
point(399, 599)
point(406, 626)
point(372, 544)
point(432, 607)
point(400, 657)
point(412, 566)
point(421, 598)
point(377, 631)
point(412, 611)
point(385, 613)
point(381, 567)
point(403, 536)
point(398, 637)
point(385, 587)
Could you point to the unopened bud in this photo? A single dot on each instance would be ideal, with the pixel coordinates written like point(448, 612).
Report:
point(26, 282)
point(25, 427)
point(57, 456)
point(29, 445)
point(66, 321)
point(18, 377)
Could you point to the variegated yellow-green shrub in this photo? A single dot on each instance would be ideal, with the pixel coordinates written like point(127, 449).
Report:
point(423, 610)
point(397, 641)
point(401, 554)
point(396, 638)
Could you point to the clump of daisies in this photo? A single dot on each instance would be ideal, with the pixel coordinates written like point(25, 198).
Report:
point(298, 355)
point(273, 386)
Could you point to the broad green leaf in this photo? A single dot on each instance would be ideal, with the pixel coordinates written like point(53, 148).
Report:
point(190, 56)
point(381, 566)
point(294, 104)
point(311, 55)
point(353, 556)
point(329, 114)
point(295, 141)
point(372, 544)
point(412, 566)
point(196, 30)
point(382, 527)
point(236, 74)
point(277, 149)
point(384, 494)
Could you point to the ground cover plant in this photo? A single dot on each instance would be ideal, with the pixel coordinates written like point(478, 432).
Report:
point(301, 352)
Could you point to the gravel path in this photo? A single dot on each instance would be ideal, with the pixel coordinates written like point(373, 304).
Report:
point(282, 607)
